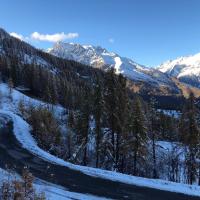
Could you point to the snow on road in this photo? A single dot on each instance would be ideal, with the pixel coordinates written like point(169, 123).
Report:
point(55, 192)
point(52, 191)
point(23, 135)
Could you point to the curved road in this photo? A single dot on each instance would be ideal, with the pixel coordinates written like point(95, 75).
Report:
point(12, 155)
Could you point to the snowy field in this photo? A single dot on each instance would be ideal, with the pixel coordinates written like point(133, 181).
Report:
point(171, 113)
point(22, 133)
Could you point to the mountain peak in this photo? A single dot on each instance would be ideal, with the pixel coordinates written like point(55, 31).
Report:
point(75, 46)
point(186, 69)
point(95, 56)
point(99, 57)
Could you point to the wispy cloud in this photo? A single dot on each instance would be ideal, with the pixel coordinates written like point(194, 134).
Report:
point(53, 37)
point(46, 37)
point(111, 40)
point(16, 35)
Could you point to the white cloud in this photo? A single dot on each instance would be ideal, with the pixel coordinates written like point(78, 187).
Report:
point(53, 37)
point(16, 35)
point(111, 40)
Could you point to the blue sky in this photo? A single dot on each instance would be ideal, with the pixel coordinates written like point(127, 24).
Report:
point(148, 31)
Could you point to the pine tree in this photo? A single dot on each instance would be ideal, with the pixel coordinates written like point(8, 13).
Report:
point(116, 112)
point(98, 112)
point(122, 117)
point(83, 126)
point(138, 140)
point(110, 98)
point(70, 127)
point(189, 136)
point(153, 132)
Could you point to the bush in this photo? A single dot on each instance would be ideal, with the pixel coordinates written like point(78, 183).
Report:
point(20, 190)
point(45, 128)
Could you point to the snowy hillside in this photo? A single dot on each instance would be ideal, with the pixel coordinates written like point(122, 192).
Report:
point(186, 69)
point(142, 79)
point(99, 57)
point(22, 129)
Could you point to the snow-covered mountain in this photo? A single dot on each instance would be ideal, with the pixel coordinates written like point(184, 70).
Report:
point(186, 69)
point(141, 79)
point(94, 56)
point(99, 57)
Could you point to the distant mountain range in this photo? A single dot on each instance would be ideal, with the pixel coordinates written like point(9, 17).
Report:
point(186, 69)
point(141, 79)
point(99, 57)
point(182, 73)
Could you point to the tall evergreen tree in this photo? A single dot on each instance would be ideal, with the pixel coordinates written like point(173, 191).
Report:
point(122, 118)
point(110, 98)
point(189, 136)
point(98, 112)
point(83, 126)
point(138, 133)
point(70, 129)
point(153, 127)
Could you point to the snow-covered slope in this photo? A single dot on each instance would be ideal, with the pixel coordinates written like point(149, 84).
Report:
point(187, 69)
point(9, 108)
point(99, 57)
point(12, 47)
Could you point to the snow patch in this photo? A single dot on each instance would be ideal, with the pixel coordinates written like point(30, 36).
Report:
point(118, 63)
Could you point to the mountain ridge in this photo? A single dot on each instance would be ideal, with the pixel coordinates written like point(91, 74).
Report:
point(99, 57)
point(185, 68)
point(143, 77)
point(150, 81)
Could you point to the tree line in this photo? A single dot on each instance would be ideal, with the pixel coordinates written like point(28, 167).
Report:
point(108, 129)
point(107, 126)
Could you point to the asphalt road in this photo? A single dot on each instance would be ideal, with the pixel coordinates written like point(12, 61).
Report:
point(12, 155)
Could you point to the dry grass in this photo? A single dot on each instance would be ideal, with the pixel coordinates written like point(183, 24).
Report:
point(186, 89)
